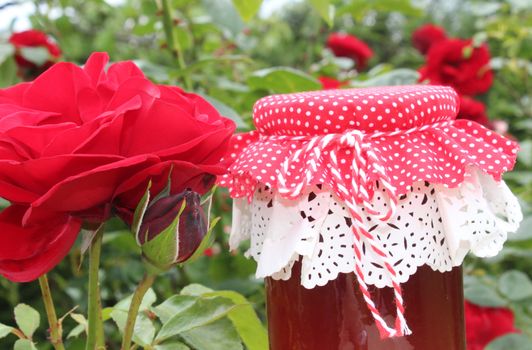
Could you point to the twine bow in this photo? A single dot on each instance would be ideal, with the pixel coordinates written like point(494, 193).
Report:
point(354, 190)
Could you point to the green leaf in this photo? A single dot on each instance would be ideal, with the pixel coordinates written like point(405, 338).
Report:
point(147, 301)
point(203, 312)
point(76, 331)
point(226, 111)
point(524, 232)
point(173, 306)
point(225, 16)
point(140, 210)
point(106, 313)
point(4, 330)
point(515, 285)
point(483, 295)
point(80, 328)
point(144, 330)
point(27, 318)
point(172, 346)
point(243, 317)
point(206, 242)
point(359, 9)
point(245, 320)
point(6, 52)
point(325, 9)
point(3, 203)
point(8, 73)
point(282, 80)
point(218, 335)
point(165, 192)
point(195, 290)
point(510, 342)
point(520, 5)
point(79, 318)
point(247, 8)
point(467, 52)
point(525, 152)
point(24, 344)
point(401, 76)
point(36, 55)
point(154, 71)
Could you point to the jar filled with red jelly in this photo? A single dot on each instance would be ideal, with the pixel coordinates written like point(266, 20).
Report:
point(359, 206)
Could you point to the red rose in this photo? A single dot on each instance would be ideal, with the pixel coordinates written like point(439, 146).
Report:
point(427, 35)
point(345, 45)
point(473, 110)
point(33, 38)
point(483, 324)
point(328, 83)
point(456, 63)
point(78, 144)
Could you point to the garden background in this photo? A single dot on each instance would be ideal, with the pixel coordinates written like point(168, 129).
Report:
point(233, 53)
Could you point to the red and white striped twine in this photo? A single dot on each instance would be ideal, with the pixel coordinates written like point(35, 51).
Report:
point(355, 194)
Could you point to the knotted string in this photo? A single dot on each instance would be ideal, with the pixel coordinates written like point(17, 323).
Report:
point(354, 191)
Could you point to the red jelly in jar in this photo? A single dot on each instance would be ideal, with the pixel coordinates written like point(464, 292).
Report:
point(335, 316)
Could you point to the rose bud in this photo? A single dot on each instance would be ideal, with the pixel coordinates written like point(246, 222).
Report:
point(172, 229)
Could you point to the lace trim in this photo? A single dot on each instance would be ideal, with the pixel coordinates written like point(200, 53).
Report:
point(433, 225)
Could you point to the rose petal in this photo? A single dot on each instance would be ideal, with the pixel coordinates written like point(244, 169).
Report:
point(95, 65)
point(90, 188)
point(173, 125)
point(56, 91)
point(14, 94)
point(39, 175)
point(33, 139)
point(28, 252)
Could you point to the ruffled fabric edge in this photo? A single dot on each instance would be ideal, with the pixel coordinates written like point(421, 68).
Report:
point(285, 237)
point(438, 153)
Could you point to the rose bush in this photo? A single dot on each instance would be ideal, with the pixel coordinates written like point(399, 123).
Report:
point(457, 63)
point(483, 324)
point(34, 39)
point(474, 110)
point(78, 145)
point(328, 83)
point(345, 45)
point(427, 35)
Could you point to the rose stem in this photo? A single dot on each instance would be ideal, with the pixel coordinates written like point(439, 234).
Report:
point(136, 300)
point(55, 326)
point(172, 42)
point(95, 337)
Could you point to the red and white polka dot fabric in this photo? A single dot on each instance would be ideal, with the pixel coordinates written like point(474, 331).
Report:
point(409, 132)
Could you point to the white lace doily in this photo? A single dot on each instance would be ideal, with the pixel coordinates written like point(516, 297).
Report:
point(434, 225)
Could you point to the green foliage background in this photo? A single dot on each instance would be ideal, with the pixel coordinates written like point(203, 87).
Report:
point(225, 51)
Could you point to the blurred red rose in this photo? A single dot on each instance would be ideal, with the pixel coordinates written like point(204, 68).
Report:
point(328, 83)
point(34, 39)
point(427, 35)
point(78, 144)
point(473, 110)
point(484, 324)
point(345, 45)
point(456, 63)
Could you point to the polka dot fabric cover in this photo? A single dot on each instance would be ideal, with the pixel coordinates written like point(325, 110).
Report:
point(404, 134)
point(387, 108)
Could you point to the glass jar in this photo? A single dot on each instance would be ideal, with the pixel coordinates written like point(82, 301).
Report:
point(335, 316)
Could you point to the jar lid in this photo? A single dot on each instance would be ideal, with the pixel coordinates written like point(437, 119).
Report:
point(384, 108)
